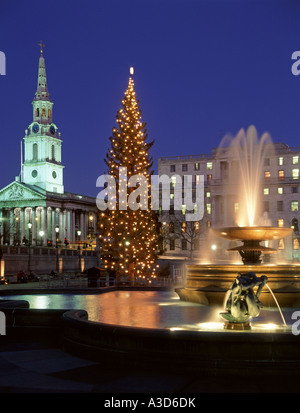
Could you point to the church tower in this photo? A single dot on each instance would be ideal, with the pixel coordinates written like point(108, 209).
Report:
point(42, 143)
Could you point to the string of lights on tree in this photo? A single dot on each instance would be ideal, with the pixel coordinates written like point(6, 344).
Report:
point(129, 239)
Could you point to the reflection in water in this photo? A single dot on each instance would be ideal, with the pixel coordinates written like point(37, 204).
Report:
point(148, 309)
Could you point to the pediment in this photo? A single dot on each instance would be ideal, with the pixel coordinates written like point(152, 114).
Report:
point(17, 191)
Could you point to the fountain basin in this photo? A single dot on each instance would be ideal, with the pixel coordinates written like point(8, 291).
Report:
point(203, 349)
point(207, 284)
point(227, 353)
point(260, 233)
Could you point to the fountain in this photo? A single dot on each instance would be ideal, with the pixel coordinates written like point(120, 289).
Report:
point(207, 283)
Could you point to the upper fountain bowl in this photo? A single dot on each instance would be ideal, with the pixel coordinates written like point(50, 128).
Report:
point(252, 233)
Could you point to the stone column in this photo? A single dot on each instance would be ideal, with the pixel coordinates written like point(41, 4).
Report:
point(1, 227)
point(82, 237)
point(68, 225)
point(11, 226)
point(33, 228)
point(44, 227)
point(22, 224)
point(60, 223)
point(73, 228)
point(53, 224)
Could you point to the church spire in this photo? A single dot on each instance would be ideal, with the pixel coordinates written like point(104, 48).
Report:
point(42, 89)
point(42, 143)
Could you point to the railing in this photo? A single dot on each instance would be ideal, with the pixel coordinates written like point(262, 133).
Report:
point(23, 250)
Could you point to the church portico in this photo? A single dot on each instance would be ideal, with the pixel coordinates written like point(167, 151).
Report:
point(46, 225)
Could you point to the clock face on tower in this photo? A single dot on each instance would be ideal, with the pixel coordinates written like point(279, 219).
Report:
point(35, 128)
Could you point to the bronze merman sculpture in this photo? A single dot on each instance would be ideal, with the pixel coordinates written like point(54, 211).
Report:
point(241, 302)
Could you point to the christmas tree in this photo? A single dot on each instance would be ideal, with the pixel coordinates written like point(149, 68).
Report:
point(129, 233)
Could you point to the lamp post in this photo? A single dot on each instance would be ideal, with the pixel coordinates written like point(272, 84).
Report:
point(41, 234)
point(29, 243)
point(56, 238)
point(56, 246)
point(91, 229)
point(29, 235)
point(78, 237)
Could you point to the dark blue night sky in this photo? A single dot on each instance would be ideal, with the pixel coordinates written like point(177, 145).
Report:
point(202, 68)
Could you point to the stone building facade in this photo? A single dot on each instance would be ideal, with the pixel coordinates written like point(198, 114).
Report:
point(279, 198)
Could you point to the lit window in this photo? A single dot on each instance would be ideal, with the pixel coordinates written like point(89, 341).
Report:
point(183, 209)
point(197, 179)
point(171, 196)
point(208, 194)
point(295, 160)
point(183, 227)
point(294, 206)
point(295, 243)
point(281, 244)
point(209, 165)
point(295, 173)
point(209, 178)
point(266, 191)
point(173, 181)
point(208, 208)
point(196, 226)
point(280, 160)
point(267, 174)
point(281, 174)
point(280, 190)
point(44, 112)
point(280, 223)
point(197, 166)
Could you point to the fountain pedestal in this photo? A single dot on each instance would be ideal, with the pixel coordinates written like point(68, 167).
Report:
point(251, 252)
point(251, 237)
point(237, 326)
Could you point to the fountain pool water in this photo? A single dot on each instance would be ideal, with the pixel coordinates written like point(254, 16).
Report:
point(150, 309)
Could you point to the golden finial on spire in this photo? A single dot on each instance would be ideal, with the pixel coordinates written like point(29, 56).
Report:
point(41, 46)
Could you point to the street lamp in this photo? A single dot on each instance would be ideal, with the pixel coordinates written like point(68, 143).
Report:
point(78, 236)
point(29, 237)
point(57, 231)
point(29, 242)
point(41, 233)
